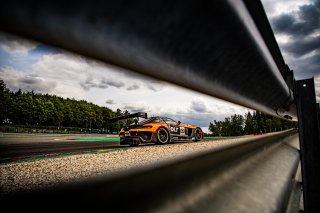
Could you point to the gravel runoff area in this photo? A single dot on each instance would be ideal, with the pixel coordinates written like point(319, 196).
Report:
point(49, 172)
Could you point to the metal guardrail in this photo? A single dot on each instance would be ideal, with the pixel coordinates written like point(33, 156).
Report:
point(252, 176)
point(222, 48)
point(213, 47)
point(309, 143)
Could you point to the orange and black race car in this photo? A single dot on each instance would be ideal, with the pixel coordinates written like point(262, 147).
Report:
point(160, 130)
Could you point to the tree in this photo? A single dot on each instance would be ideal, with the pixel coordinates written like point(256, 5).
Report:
point(216, 128)
point(258, 122)
point(44, 109)
point(250, 124)
point(5, 102)
point(236, 125)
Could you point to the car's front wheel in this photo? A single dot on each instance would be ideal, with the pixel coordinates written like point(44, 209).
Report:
point(197, 134)
point(162, 136)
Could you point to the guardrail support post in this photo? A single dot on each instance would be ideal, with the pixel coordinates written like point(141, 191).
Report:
point(309, 143)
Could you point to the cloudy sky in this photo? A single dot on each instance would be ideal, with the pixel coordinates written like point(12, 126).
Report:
point(296, 24)
point(32, 66)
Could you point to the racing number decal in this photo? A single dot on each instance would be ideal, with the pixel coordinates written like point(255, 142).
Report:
point(182, 131)
point(174, 129)
point(178, 130)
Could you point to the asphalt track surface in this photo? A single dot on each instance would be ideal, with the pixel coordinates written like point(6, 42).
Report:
point(15, 147)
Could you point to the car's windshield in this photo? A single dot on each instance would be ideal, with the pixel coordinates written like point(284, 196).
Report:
point(170, 121)
point(145, 121)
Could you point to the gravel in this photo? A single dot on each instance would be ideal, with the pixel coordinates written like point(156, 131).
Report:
point(53, 171)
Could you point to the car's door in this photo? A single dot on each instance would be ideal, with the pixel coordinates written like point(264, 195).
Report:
point(175, 128)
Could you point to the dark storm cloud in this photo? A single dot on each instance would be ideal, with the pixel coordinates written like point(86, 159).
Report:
point(109, 101)
point(133, 87)
point(29, 80)
point(155, 86)
point(146, 81)
point(36, 85)
point(88, 84)
point(26, 82)
point(307, 21)
point(152, 87)
point(103, 84)
point(202, 120)
point(302, 49)
point(133, 109)
point(198, 106)
point(303, 46)
point(284, 23)
point(310, 16)
point(306, 67)
point(113, 83)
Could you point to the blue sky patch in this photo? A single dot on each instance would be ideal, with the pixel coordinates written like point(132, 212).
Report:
point(23, 62)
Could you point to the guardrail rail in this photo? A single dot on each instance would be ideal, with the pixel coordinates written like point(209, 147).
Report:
point(223, 48)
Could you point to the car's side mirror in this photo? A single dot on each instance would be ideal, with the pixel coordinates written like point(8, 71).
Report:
point(179, 122)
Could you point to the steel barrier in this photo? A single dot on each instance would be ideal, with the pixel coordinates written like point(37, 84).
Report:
point(213, 47)
point(257, 175)
point(222, 48)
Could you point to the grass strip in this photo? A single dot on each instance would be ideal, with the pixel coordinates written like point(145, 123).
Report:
point(98, 139)
point(55, 155)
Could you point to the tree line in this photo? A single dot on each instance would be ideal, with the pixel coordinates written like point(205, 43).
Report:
point(251, 123)
point(29, 108)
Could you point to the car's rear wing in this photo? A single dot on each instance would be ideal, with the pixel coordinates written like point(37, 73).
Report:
point(133, 115)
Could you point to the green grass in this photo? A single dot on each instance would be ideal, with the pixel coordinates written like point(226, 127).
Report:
point(99, 139)
point(55, 155)
point(220, 137)
point(215, 137)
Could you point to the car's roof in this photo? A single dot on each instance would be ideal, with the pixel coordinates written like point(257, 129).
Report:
point(160, 117)
point(151, 119)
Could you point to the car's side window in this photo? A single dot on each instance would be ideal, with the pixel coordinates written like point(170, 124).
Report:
point(170, 121)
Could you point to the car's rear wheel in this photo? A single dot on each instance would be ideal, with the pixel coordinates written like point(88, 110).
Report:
point(162, 136)
point(197, 134)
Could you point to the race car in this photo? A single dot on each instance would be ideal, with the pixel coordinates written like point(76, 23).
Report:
point(159, 130)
